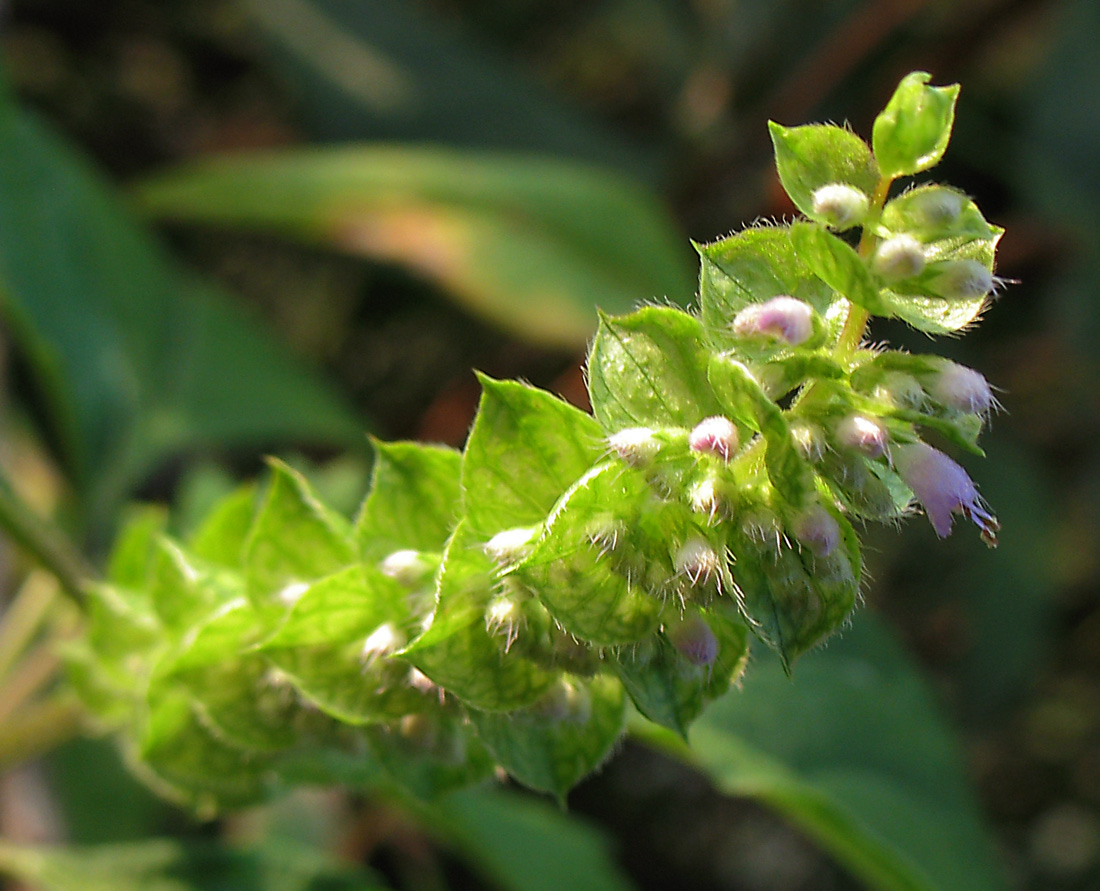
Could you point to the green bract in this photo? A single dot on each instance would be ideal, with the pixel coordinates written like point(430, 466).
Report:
point(502, 605)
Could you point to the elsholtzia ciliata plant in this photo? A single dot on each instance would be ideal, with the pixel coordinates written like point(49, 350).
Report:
point(498, 607)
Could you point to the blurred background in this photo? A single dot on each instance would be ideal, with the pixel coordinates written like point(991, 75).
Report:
point(528, 161)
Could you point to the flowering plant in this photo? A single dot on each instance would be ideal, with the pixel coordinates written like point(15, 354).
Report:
point(500, 606)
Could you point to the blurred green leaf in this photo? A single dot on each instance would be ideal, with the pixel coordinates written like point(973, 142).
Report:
point(524, 844)
point(162, 865)
point(912, 132)
point(393, 70)
point(136, 360)
point(854, 751)
point(532, 244)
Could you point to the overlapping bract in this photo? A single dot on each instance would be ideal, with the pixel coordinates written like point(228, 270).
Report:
point(500, 606)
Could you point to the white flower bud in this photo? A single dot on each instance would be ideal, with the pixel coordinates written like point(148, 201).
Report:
point(962, 280)
point(961, 388)
point(935, 208)
point(565, 701)
point(697, 560)
point(840, 206)
point(405, 567)
point(292, 593)
point(384, 641)
point(809, 440)
point(637, 446)
point(900, 389)
point(898, 258)
point(781, 318)
point(716, 436)
point(863, 434)
point(511, 545)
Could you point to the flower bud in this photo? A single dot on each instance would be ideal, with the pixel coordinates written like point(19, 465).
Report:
point(898, 258)
point(384, 641)
point(961, 388)
point(962, 280)
point(863, 434)
point(943, 488)
point(694, 640)
point(782, 318)
point(697, 560)
point(565, 701)
point(637, 446)
point(511, 545)
point(504, 615)
point(900, 390)
point(809, 440)
point(935, 208)
point(407, 567)
point(817, 529)
point(292, 593)
point(840, 206)
point(715, 435)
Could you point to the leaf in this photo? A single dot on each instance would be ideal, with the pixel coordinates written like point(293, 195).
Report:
point(413, 501)
point(932, 212)
point(134, 549)
point(854, 751)
point(577, 581)
point(751, 267)
point(388, 70)
point(163, 865)
point(320, 647)
point(817, 155)
point(650, 369)
point(523, 844)
point(912, 132)
point(135, 359)
point(532, 244)
point(525, 449)
point(670, 690)
point(457, 651)
point(293, 540)
point(553, 744)
point(221, 537)
point(838, 265)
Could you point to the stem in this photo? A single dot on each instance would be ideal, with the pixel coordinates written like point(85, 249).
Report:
point(855, 326)
point(23, 617)
point(44, 542)
point(35, 670)
point(39, 728)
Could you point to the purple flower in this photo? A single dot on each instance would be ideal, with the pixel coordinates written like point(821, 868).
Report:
point(694, 640)
point(943, 489)
point(716, 435)
point(783, 318)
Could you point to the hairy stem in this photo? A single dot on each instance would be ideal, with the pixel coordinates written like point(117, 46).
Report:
point(856, 324)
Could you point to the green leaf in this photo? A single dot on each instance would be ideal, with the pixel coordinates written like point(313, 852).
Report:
point(134, 550)
point(912, 132)
point(650, 369)
point(744, 398)
point(855, 751)
point(457, 651)
point(817, 155)
point(672, 691)
point(750, 267)
point(576, 580)
point(932, 212)
point(413, 501)
point(181, 592)
point(523, 844)
point(221, 537)
point(320, 647)
point(553, 744)
point(839, 266)
point(525, 449)
point(163, 865)
point(532, 244)
point(136, 360)
point(293, 540)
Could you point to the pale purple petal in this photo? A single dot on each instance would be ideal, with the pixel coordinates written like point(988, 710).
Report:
point(943, 488)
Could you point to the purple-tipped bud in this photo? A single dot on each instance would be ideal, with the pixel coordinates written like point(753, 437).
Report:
point(809, 440)
point(511, 545)
point(840, 206)
point(697, 560)
point(863, 434)
point(716, 436)
point(961, 388)
point(898, 258)
point(694, 640)
point(962, 280)
point(782, 318)
point(943, 488)
point(637, 446)
point(817, 529)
